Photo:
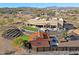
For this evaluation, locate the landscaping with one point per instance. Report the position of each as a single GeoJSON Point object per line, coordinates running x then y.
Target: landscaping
{"type": "Point", "coordinates": [19, 40]}
{"type": "Point", "coordinates": [30, 28]}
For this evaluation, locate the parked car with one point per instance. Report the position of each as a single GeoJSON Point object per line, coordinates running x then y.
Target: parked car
{"type": "Point", "coordinates": [54, 41]}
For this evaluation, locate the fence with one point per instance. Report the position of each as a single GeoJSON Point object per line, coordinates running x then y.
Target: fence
{"type": "Point", "coordinates": [42, 49]}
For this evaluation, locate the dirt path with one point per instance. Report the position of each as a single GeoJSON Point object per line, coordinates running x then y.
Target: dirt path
{"type": "Point", "coordinates": [5, 45]}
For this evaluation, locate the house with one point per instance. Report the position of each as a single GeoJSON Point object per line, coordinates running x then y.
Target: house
{"type": "Point", "coordinates": [73, 32]}
{"type": "Point", "coordinates": [76, 31]}
{"type": "Point", "coordinates": [45, 22]}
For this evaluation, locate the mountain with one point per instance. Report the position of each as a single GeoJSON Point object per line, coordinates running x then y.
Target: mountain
{"type": "Point", "coordinates": [62, 8]}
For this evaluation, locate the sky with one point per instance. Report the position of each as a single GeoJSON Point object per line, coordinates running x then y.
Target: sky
{"type": "Point", "coordinates": [38, 5]}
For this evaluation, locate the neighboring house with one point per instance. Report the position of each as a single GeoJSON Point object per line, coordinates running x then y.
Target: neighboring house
{"type": "Point", "coordinates": [76, 31]}
{"type": "Point", "coordinates": [60, 23]}
{"type": "Point", "coordinates": [73, 32]}
{"type": "Point", "coordinates": [45, 22]}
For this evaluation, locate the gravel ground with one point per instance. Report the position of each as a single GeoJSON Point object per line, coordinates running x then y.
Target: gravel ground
{"type": "Point", "coordinates": [5, 46]}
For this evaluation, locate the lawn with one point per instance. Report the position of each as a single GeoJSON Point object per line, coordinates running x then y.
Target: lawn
{"type": "Point", "coordinates": [30, 28]}
{"type": "Point", "coordinates": [24, 37]}
{"type": "Point", "coordinates": [19, 40]}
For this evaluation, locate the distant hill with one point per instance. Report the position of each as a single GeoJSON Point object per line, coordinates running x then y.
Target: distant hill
{"type": "Point", "coordinates": [62, 8]}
